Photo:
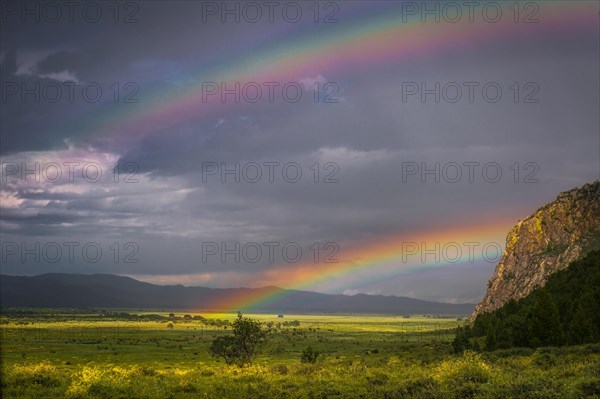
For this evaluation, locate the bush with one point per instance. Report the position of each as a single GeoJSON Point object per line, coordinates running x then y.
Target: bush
{"type": "Point", "coordinates": [468, 368]}
{"type": "Point", "coordinates": [42, 374]}
{"type": "Point", "coordinates": [512, 352]}
{"type": "Point", "coordinates": [104, 381]}
{"type": "Point", "coordinates": [309, 355]}
{"type": "Point", "coordinates": [590, 388]}
{"type": "Point", "coordinates": [462, 341]}
{"type": "Point", "coordinates": [590, 349]}
{"type": "Point", "coordinates": [544, 359]}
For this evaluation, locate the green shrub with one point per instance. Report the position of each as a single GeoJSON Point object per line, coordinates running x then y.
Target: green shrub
{"type": "Point", "coordinates": [42, 374]}
{"type": "Point", "coordinates": [463, 371]}
{"type": "Point", "coordinates": [504, 353]}
{"type": "Point", "coordinates": [309, 355]}
{"type": "Point", "coordinates": [590, 388]}
{"type": "Point", "coordinates": [544, 359]}
{"type": "Point", "coordinates": [104, 381]}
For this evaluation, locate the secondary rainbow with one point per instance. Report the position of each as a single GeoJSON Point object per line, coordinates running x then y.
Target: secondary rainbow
{"type": "Point", "coordinates": [375, 37]}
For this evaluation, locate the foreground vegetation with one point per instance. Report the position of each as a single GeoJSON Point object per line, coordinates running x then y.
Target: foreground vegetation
{"type": "Point", "coordinates": [106, 355]}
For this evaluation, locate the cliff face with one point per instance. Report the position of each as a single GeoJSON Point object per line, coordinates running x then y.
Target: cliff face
{"type": "Point", "coordinates": [543, 243]}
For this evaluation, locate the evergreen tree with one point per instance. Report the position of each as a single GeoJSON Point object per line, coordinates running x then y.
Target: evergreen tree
{"type": "Point", "coordinates": [490, 339]}
{"type": "Point", "coordinates": [580, 329]}
{"type": "Point", "coordinates": [536, 320]}
{"type": "Point", "coordinates": [461, 341]}
{"type": "Point", "coordinates": [546, 329]}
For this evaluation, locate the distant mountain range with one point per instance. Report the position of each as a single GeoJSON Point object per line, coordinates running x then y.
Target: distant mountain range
{"type": "Point", "coordinates": [118, 292]}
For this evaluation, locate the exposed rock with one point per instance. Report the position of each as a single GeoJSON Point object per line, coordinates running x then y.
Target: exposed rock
{"type": "Point", "coordinates": [543, 243]}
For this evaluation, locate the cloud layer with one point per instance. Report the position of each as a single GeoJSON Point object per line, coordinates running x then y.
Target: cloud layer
{"type": "Point", "coordinates": [371, 165]}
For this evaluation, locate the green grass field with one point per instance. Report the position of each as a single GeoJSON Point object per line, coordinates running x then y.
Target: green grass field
{"type": "Point", "coordinates": [54, 354]}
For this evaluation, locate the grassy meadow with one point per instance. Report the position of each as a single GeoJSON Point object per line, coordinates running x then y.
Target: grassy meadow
{"type": "Point", "coordinates": [57, 354]}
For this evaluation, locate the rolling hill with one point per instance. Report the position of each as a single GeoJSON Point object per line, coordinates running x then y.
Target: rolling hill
{"type": "Point", "coordinates": [110, 291]}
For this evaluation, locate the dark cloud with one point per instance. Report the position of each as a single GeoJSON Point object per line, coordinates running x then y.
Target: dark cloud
{"type": "Point", "coordinates": [369, 136]}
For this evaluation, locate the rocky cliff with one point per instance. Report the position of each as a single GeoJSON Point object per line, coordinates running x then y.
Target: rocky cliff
{"type": "Point", "coordinates": [543, 243]}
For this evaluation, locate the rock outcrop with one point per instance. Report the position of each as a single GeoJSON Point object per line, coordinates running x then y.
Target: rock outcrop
{"type": "Point", "coordinates": [543, 243]}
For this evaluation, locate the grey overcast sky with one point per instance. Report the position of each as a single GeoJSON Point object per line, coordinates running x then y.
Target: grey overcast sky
{"type": "Point", "coordinates": [305, 145]}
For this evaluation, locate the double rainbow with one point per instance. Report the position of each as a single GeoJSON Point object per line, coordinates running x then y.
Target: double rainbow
{"type": "Point", "coordinates": [373, 38]}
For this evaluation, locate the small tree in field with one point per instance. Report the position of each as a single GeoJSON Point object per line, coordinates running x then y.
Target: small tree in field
{"type": "Point", "coordinates": [240, 347]}
{"type": "Point", "coordinates": [309, 355]}
{"type": "Point", "coordinates": [225, 347]}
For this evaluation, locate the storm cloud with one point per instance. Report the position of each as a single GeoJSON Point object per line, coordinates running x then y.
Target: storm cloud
{"type": "Point", "coordinates": [349, 171]}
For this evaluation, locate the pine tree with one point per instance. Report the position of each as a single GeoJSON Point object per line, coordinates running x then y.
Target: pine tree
{"type": "Point", "coordinates": [546, 328]}
{"type": "Point", "coordinates": [534, 320]}
{"type": "Point", "coordinates": [580, 329]}
{"type": "Point", "coordinates": [461, 340]}
{"type": "Point", "coordinates": [490, 339]}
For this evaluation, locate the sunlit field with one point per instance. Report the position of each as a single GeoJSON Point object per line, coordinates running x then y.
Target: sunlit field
{"type": "Point", "coordinates": [93, 355]}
